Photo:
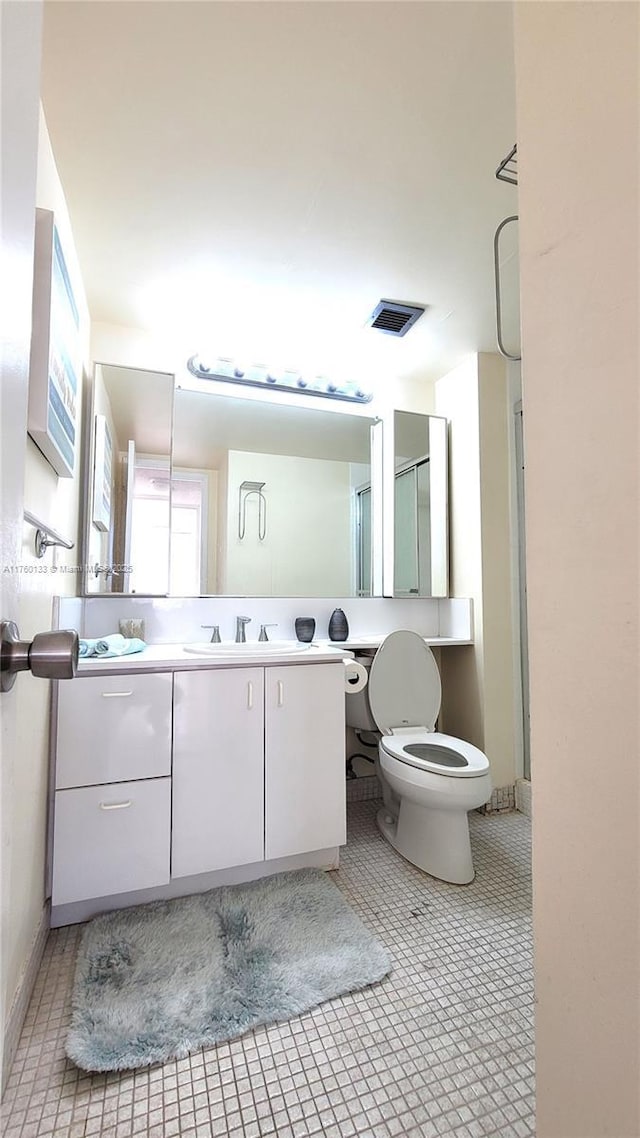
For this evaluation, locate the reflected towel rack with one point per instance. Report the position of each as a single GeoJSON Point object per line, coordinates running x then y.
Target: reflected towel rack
{"type": "Point", "coordinates": [507, 172]}
{"type": "Point", "coordinates": [508, 169]}
{"type": "Point", "coordinates": [246, 490]}
{"type": "Point", "coordinates": [45, 535]}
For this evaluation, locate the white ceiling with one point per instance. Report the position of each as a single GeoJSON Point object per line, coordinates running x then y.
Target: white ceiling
{"type": "Point", "coordinates": [141, 405]}
{"type": "Point", "coordinates": [255, 176]}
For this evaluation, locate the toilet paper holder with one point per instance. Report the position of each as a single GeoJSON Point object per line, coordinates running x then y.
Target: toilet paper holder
{"type": "Point", "coordinates": [355, 676]}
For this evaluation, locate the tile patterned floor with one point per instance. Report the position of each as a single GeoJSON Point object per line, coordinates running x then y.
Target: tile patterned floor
{"type": "Point", "coordinates": [442, 1047]}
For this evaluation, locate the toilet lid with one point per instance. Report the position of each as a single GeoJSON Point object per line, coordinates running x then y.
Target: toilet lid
{"type": "Point", "coordinates": [404, 683]}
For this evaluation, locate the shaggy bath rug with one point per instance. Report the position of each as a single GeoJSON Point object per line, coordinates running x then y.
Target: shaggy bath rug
{"type": "Point", "coordinates": [157, 981]}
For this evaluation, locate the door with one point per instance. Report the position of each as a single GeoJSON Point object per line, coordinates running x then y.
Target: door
{"type": "Point", "coordinates": [218, 770]}
{"type": "Point", "coordinates": [305, 785]}
{"type": "Point", "coordinates": [405, 522]}
{"type": "Point", "coordinates": [21, 35]}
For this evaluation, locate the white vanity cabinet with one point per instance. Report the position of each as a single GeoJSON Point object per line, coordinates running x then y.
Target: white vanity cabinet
{"type": "Point", "coordinates": [258, 765]}
{"type": "Point", "coordinates": [218, 770]}
{"type": "Point", "coordinates": [305, 786]}
{"type": "Point", "coordinates": [171, 781]}
{"type": "Point", "coordinates": [112, 806]}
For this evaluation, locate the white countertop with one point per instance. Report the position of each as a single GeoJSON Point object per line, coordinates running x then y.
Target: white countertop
{"type": "Point", "coordinates": [362, 643]}
{"type": "Point", "coordinates": [175, 657]}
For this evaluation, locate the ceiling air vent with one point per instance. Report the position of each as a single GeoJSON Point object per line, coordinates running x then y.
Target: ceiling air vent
{"type": "Point", "coordinates": [394, 319]}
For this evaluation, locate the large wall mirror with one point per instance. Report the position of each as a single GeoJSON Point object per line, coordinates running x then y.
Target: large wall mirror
{"type": "Point", "coordinates": [415, 507]}
{"type": "Point", "coordinates": [268, 499]}
{"type": "Point", "coordinates": [128, 433]}
{"type": "Point", "coordinates": [194, 493]}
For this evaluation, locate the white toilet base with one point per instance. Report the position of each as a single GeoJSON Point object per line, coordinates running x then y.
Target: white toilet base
{"type": "Point", "coordinates": [432, 826]}
{"type": "Point", "coordinates": [436, 841]}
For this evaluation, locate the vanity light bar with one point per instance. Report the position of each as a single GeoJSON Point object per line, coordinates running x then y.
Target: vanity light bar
{"type": "Point", "coordinates": [257, 375]}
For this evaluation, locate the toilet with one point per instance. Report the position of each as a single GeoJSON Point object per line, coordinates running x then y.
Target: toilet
{"type": "Point", "coordinates": [429, 781]}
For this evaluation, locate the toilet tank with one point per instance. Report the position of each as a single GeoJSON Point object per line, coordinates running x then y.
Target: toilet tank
{"type": "Point", "coordinates": [358, 712]}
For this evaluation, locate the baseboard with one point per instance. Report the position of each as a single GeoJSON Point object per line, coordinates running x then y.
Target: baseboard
{"type": "Point", "coordinates": [73, 912]}
{"type": "Point", "coordinates": [18, 1011]}
{"type": "Point", "coordinates": [524, 797]}
{"type": "Point", "coordinates": [503, 799]}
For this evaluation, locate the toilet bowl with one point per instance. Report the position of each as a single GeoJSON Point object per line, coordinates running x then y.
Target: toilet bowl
{"type": "Point", "coordinates": [429, 780]}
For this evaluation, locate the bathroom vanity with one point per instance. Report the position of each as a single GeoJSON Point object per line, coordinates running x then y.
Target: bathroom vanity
{"type": "Point", "coordinates": [175, 773]}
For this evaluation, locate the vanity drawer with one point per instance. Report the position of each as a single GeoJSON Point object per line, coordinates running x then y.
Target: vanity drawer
{"type": "Point", "coordinates": [113, 729]}
{"type": "Point", "coordinates": [111, 839]}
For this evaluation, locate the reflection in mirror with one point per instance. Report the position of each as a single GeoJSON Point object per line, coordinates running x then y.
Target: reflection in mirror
{"type": "Point", "coordinates": [268, 499]}
{"type": "Point", "coordinates": [129, 462]}
{"type": "Point", "coordinates": [420, 562]}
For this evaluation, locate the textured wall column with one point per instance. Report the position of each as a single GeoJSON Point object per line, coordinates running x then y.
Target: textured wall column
{"type": "Point", "coordinates": [577, 104]}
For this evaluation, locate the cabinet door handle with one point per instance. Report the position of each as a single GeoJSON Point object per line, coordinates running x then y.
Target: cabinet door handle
{"type": "Point", "coordinates": [249, 695]}
{"type": "Point", "coordinates": [115, 805]}
{"type": "Point", "coordinates": [115, 694]}
{"type": "Point", "coordinates": [280, 701]}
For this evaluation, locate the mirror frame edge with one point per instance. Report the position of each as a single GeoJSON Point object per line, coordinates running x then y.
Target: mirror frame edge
{"type": "Point", "coordinates": [86, 487]}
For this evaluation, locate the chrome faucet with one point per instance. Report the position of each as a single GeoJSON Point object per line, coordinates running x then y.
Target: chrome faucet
{"type": "Point", "coordinates": [215, 634]}
{"type": "Point", "coordinates": [240, 623]}
{"type": "Point", "coordinates": [263, 631]}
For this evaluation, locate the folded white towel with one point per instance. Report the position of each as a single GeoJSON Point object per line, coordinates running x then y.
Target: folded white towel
{"type": "Point", "coordinates": [114, 645]}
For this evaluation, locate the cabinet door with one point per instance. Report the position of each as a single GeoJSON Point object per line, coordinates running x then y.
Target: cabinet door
{"type": "Point", "coordinates": [111, 839]}
{"type": "Point", "coordinates": [113, 728]}
{"type": "Point", "coordinates": [305, 787]}
{"type": "Point", "coordinates": [218, 770]}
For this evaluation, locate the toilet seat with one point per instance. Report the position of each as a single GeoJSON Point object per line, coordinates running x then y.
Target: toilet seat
{"type": "Point", "coordinates": [473, 762]}
{"type": "Point", "coordinates": [404, 696]}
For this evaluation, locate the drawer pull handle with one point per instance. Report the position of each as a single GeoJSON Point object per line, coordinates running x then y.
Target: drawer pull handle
{"type": "Point", "coordinates": [280, 693]}
{"type": "Point", "coordinates": [115, 694]}
{"type": "Point", "coordinates": [249, 695]}
{"type": "Point", "coordinates": [115, 805]}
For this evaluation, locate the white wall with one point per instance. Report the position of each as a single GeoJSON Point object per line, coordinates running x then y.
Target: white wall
{"type": "Point", "coordinates": [478, 686]}
{"type": "Point", "coordinates": [20, 41]}
{"type": "Point", "coordinates": [135, 348]}
{"type": "Point", "coordinates": [308, 545]}
{"type": "Point", "coordinates": [579, 188]}
{"type": "Point", "coordinates": [178, 620]}
{"type": "Point", "coordinates": [55, 501]}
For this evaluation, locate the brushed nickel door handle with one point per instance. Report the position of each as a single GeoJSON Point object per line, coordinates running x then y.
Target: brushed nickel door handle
{"type": "Point", "coordinates": [50, 655]}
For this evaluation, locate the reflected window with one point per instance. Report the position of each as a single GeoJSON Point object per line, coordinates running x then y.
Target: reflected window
{"type": "Point", "coordinates": [189, 539]}
{"type": "Point", "coordinates": [148, 536]}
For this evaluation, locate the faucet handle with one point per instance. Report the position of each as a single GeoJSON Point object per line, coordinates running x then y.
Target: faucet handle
{"type": "Point", "coordinates": [215, 635]}
{"type": "Point", "coordinates": [263, 631]}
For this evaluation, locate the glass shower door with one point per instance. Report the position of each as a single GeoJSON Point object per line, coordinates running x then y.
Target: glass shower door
{"type": "Point", "coordinates": [406, 574]}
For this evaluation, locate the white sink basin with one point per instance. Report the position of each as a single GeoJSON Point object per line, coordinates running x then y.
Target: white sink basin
{"type": "Point", "coordinates": [251, 648]}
